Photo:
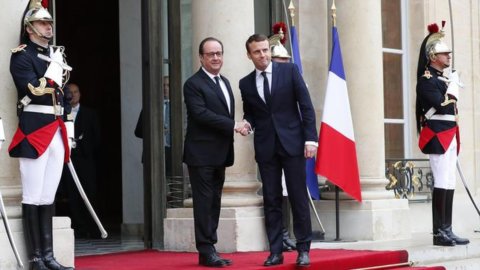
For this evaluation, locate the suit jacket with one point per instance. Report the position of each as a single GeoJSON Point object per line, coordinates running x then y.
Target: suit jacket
{"type": "Point", "coordinates": [87, 134]}
{"type": "Point", "coordinates": [209, 138]}
{"type": "Point", "coordinates": [291, 115]}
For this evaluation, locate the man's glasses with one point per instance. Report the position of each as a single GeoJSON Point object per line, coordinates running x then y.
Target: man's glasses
{"type": "Point", "coordinates": [212, 54]}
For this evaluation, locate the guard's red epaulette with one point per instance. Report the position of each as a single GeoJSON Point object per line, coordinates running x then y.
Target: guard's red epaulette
{"type": "Point", "coordinates": [19, 48]}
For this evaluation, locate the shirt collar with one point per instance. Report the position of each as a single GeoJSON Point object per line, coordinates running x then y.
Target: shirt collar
{"type": "Point", "coordinates": [211, 75]}
{"type": "Point", "coordinates": [268, 70]}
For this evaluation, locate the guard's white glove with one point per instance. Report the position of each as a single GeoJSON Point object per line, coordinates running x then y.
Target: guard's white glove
{"type": "Point", "coordinates": [2, 133]}
{"type": "Point", "coordinates": [55, 68]}
{"type": "Point", "coordinates": [454, 84]}
{"type": "Point", "coordinates": [70, 134]}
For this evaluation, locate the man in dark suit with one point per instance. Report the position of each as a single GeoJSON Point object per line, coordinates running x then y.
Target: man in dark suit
{"type": "Point", "coordinates": [85, 156]}
{"type": "Point", "coordinates": [277, 105]}
{"type": "Point", "coordinates": [208, 147]}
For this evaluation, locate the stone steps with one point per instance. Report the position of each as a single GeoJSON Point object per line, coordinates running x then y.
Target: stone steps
{"type": "Point", "coordinates": [421, 250]}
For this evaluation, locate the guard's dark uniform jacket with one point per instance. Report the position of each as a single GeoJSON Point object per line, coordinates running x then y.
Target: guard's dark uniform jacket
{"type": "Point", "coordinates": [439, 129]}
{"type": "Point", "coordinates": [36, 129]}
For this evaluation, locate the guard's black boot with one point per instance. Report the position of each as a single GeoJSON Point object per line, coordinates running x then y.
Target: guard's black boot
{"type": "Point", "coordinates": [288, 244]}
{"type": "Point", "coordinates": [31, 231]}
{"type": "Point", "coordinates": [448, 220]}
{"type": "Point", "coordinates": [440, 236]}
{"type": "Point", "coordinates": [46, 214]}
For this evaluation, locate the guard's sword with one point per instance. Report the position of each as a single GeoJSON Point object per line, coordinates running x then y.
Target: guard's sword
{"type": "Point", "coordinates": [3, 212]}
{"type": "Point", "coordinates": [459, 168]}
{"type": "Point", "coordinates": [9, 232]}
{"type": "Point", "coordinates": [85, 199]}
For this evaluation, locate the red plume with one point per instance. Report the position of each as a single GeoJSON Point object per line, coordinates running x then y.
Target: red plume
{"type": "Point", "coordinates": [45, 3]}
{"type": "Point", "coordinates": [443, 24]}
{"type": "Point", "coordinates": [276, 28]}
{"type": "Point", "coordinates": [433, 28]}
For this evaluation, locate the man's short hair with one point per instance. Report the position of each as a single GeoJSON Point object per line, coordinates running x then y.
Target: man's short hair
{"type": "Point", "coordinates": [255, 38]}
{"type": "Point", "coordinates": [200, 47]}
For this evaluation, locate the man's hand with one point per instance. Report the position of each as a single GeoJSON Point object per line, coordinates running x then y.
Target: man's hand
{"type": "Point", "coordinates": [243, 127]}
{"type": "Point", "coordinates": [310, 151]}
{"type": "Point", "coordinates": [454, 84]}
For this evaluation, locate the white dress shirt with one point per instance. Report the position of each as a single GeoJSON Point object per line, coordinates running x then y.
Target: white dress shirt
{"type": "Point", "coordinates": [259, 80]}
{"type": "Point", "coordinates": [222, 86]}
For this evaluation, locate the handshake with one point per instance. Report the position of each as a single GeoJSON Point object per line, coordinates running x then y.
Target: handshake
{"type": "Point", "coordinates": [243, 127]}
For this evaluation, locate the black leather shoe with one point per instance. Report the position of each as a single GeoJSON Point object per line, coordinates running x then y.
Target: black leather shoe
{"type": "Point", "coordinates": [274, 259]}
{"type": "Point", "coordinates": [288, 244]}
{"type": "Point", "coordinates": [211, 260]}
{"type": "Point", "coordinates": [226, 261]}
{"type": "Point", "coordinates": [285, 247]}
{"type": "Point", "coordinates": [303, 259]}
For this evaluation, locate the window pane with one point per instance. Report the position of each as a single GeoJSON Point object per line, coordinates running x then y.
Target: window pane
{"type": "Point", "coordinates": [394, 146]}
{"type": "Point", "coordinates": [392, 86]}
{"type": "Point", "coordinates": [391, 24]}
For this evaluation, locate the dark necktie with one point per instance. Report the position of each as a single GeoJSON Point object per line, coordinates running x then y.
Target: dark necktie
{"type": "Point", "coordinates": [217, 81]}
{"type": "Point", "coordinates": [266, 89]}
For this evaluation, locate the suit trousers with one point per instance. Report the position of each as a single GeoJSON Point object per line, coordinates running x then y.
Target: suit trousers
{"type": "Point", "coordinates": [207, 184]}
{"type": "Point", "coordinates": [271, 174]}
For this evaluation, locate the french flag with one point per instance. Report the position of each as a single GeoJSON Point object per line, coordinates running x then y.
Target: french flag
{"type": "Point", "coordinates": [337, 154]}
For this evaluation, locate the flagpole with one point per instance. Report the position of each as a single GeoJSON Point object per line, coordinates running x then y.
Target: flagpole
{"type": "Point", "coordinates": [291, 8]}
{"type": "Point", "coordinates": [337, 189]}
{"type": "Point", "coordinates": [334, 14]}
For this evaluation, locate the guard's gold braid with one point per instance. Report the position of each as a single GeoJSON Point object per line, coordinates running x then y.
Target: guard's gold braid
{"type": "Point", "coordinates": [41, 89]}
{"type": "Point", "coordinates": [447, 101]}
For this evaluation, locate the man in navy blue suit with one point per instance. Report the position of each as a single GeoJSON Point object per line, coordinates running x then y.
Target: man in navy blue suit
{"type": "Point", "coordinates": [277, 105]}
{"type": "Point", "coordinates": [208, 147]}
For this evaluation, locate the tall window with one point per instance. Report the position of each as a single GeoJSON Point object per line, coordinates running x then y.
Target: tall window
{"type": "Point", "coordinates": [395, 78]}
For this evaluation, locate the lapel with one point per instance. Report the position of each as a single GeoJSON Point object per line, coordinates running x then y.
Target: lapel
{"type": "Point", "coordinates": [230, 93]}
{"type": "Point", "coordinates": [78, 124]}
{"type": "Point", "coordinates": [216, 89]}
{"type": "Point", "coordinates": [275, 76]}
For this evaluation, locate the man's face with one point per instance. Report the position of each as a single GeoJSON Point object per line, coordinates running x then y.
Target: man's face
{"type": "Point", "coordinates": [44, 28]}
{"type": "Point", "coordinates": [212, 57]}
{"type": "Point", "coordinates": [75, 94]}
{"type": "Point", "coordinates": [259, 53]}
{"type": "Point", "coordinates": [442, 60]}
{"type": "Point", "coordinates": [166, 87]}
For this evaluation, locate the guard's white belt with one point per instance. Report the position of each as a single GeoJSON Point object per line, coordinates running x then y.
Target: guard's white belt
{"type": "Point", "coordinates": [41, 109]}
{"type": "Point", "coordinates": [444, 117]}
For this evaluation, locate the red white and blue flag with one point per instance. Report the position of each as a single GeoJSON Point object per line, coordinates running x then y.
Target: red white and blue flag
{"type": "Point", "coordinates": [337, 154]}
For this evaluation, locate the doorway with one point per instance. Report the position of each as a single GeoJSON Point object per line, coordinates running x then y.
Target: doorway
{"type": "Point", "coordinates": [90, 36]}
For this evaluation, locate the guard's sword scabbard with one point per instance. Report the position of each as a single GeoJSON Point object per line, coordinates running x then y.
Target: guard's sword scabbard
{"type": "Point", "coordinates": [9, 232]}
{"type": "Point", "coordinates": [85, 199]}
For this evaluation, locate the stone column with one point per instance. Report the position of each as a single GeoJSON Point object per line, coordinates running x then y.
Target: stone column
{"type": "Point", "coordinates": [241, 218]}
{"type": "Point", "coordinates": [379, 216]}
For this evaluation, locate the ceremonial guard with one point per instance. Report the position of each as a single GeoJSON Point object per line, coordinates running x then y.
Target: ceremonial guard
{"type": "Point", "coordinates": [436, 114]}
{"type": "Point", "coordinates": [41, 142]}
